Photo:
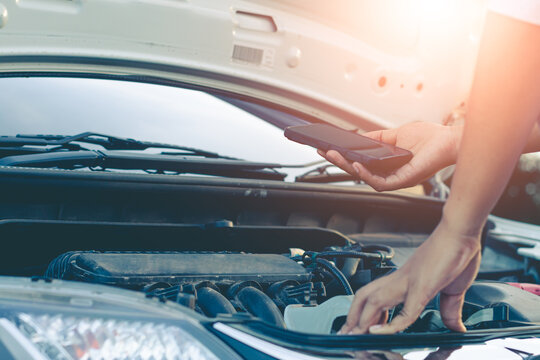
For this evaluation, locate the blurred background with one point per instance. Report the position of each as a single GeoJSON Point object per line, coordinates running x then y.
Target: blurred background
{"type": "Point", "coordinates": [521, 199]}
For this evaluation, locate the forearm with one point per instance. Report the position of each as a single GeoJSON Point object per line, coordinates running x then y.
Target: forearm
{"type": "Point", "coordinates": [503, 109]}
{"type": "Point", "coordinates": [533, 142]}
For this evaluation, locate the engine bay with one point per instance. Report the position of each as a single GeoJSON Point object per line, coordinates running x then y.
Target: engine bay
{"type": "Point", "coordinates": [291, 258]}
{"type": "Point", "coordinates": [307, 291]}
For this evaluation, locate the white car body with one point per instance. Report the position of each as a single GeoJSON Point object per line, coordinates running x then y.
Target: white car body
{"type": "Point", "coordinates": [356, 56]}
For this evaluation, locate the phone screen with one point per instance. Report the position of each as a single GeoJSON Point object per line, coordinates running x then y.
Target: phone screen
{"type": "Point", "coordinates": [334, 135]}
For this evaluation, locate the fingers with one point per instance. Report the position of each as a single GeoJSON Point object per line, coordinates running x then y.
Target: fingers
{"type": "Point", "coordinates": [453, 295]}
{"type": "Point", "coordinates": [384, 317]}
{"type": "Point", "coordinates": [375, 181]}
{"type": "Point", "coordinates": [374, 312]}
{"type": "Point", "coordinates": [337, 159]}
{"type": "Point", "coordinates": [450, 306]}
{"type": "Point", "coordinates": [356, 169]}
{"type": "Point", "coordinates": [370, 305]}
{"type": "Point", "coordinates": [414, 304]}
{"type": "Point", "coordinates": [378, 318]}
{"type": "Point", "coordinates": [354, 312]}
{"type": "Point", "coordinates": [368, 312]}
{"type": "Point", "coordinates": [403, 177]}
{"type": "Point", "coordinates": [379, 183]}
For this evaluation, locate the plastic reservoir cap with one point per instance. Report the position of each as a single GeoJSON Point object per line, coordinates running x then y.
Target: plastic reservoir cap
{"type": "Point", "coordinates": [317, 319]}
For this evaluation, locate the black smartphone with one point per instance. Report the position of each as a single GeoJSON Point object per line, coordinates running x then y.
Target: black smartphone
{"type": "Point", "coordinates": [377, 156]}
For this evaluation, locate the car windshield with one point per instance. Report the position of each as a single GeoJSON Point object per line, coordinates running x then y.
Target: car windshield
{"type": "Point", "coordinates": [147, 112]}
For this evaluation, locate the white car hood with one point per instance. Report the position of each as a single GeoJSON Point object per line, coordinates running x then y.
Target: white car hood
{"type": "Point", "coordinates": [366, 64]}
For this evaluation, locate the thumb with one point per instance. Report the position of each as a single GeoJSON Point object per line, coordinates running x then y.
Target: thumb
{"type": "Point", "coordinates": [386, 136]}
{"type": "Point", "coordinates": [451, 306]}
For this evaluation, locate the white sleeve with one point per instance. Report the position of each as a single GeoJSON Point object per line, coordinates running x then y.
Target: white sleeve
{"type": "Point", "coordinates": [524, 10]}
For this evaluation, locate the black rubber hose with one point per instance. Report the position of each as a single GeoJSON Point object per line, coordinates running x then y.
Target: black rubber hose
{"type": "Point", "coordinates": [338, 275]}
{"type": "Point", "coordinates": [379, 255]}
{"type": "Point", "coordinates": [212, 303]}
{"type": "Point", "coordinates": [380, 248]}
{"type": "Point", "coordinates": [260, 305]}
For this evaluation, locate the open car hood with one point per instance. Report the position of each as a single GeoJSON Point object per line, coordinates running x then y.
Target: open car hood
{"type": "Point", "coordinates": [340, 61]}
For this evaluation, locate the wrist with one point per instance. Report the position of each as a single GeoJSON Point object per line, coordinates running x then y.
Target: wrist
{"type": "Point", "coordinates": [460, 224]}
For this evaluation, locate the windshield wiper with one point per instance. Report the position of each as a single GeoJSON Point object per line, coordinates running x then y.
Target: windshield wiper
{"type": "Point", "coordinates": [13, 145]}
{"type": "Point", "coordinates": [122, 160]}
{"type": "Point", "coordinates": [321, 175]}
{"type": "Point", "coordinates": [66, 152]}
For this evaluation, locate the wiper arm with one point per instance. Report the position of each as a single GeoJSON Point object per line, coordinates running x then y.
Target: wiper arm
{"type": "Point", "coordinates": [147, 162]}
{"type": "Point", "coordinates": [321, 175]}
{"type": "Point", "coordinates": [108, 142]}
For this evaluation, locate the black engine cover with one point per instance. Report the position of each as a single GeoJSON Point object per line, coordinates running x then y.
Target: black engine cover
{"type": "Point", "coordinates": [140, 268]}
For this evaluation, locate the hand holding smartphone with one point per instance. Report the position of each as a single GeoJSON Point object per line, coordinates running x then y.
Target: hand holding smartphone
{"type": "Point", "coordinates": [377, 156]}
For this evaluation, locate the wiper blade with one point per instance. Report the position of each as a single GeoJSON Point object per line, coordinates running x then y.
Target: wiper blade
{"type": "Point", "coordinates": [96, 159]}
{"type": "Point", "coordinates": [108, 142]}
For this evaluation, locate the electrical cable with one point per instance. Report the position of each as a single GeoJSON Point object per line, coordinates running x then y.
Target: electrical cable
{"type": "Point", "coordinates": [336, 273]}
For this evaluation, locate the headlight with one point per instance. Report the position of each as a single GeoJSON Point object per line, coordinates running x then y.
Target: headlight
{"type": "Point", "coordinates": [61, 337]}
{"type": "Point", "coordinates": [73, 321]}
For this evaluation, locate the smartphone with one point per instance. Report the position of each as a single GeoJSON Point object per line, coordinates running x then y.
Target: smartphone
{"type": "Point", "coordinates": [377, 156]}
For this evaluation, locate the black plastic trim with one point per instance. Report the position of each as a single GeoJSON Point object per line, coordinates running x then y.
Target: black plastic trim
{"type": "Point", "coordinates": [20, 176]}
{"type": "Point", "coordinates": [335, 345]}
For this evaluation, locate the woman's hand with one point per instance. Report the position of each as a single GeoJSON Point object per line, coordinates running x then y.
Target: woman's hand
{"type": "Point", "coordinates": [433, 146]}
{"type": "Point", "coordinates": [447, 263]}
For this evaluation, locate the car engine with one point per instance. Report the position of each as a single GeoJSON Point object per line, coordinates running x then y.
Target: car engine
{"type": "Point", "coordinates": [229, 282]}
{"type": "Point", "coordinates": [313, 289]}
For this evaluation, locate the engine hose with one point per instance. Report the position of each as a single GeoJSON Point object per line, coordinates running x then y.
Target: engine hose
{"type": "Point", "coordinates": [379, 255]}
{"type": "Point", "coordinates": [260, 305]}
{"type": "Point", "coordinates": [336, 273]}
{"type": "Point", "coordinates": [380, 248]}
{"type": "Point", "coordinates": [212, 303]}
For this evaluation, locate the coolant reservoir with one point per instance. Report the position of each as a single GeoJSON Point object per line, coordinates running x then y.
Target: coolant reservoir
{"type": "Point", "coordinates": [317, 319]}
